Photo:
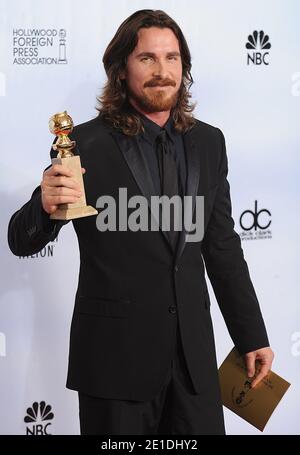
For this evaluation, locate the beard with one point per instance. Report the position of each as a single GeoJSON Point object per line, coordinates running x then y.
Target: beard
{"type": "Point", "coordinates": [154, 100]}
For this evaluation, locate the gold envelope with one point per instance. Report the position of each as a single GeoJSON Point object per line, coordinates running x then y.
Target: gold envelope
{"type": "Point", "coordinates": [256, 405]}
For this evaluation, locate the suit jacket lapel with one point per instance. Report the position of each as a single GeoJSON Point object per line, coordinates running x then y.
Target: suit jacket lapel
{"type": "Point", "coordinates": [139, 170]}
{"type": "Point", "coordinates": [142, 176]}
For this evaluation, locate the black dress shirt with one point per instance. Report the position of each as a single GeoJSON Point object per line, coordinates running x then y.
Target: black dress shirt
{"type": "Point", "coordinates": [147, 145]}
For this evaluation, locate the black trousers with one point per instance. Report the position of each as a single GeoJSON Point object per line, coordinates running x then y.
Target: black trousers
{"type": "Point", "coordinates": [176, 409]}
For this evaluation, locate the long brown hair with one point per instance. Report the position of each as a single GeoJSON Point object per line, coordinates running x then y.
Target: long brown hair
{"type": "Point", "coordinates": [114, 105]}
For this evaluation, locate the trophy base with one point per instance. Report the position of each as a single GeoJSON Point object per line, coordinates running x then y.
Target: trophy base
{"type": "Point", "coordinates": [73, 213]}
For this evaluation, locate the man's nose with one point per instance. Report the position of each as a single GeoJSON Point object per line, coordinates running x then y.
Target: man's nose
{"type": "Point", "coordinates": [160, 69]}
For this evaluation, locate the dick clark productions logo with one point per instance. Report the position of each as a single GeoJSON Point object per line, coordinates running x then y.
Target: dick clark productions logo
{"type": "Point", "coordinates": [255, 223]}
{"type": "Point", "coordinates": [37, 418]}
{"type": "Point", "coordinates": [258, 43]}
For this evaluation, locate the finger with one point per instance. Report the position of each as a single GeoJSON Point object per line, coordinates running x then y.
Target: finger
{"type": "Point", "coordinates": [52, 209]}
{"type": "Point", "coordinates": [57, 181]}
{"type": "Point", "coordinates": [250, 365]}
{"type": "Point", "coordinates": [62, 191]}
{"type": "Point", "coordinates": [56, 200]}
{"type": "Point", "coordinates": [59, 169]}
{"type": "Point", "coordinates": [263, 372]}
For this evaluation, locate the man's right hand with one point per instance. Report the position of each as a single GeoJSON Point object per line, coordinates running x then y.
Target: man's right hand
{"type": "Point", "coordinates": [58, 187]}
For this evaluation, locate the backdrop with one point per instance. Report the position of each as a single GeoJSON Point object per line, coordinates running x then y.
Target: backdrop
{"type": "Point", "coordinates": [246, 69]}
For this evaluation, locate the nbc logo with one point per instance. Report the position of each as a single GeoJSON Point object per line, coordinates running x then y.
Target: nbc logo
{"type": "Point", "coordinates": [39, 412]}
{"type": "Point", "coordinates": [258, 42]}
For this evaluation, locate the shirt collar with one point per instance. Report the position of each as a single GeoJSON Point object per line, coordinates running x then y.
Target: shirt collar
{"type": "Point", "coordinates": [152, 129]}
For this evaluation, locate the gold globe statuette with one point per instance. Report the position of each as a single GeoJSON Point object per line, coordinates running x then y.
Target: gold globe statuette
{"type": "Point", "coordinates": [61, 125]}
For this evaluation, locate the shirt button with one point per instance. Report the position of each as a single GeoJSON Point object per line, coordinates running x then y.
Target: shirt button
{"type": "Point", "coordinates": [176, 268]}
{"type": "Point", "coordinates": [172, 309]}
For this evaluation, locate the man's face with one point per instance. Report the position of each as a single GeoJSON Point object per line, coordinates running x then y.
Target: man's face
{"type": "Point", "coordinates": [154, 70]}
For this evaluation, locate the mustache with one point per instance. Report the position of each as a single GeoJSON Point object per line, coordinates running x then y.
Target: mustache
{"type": "Point", "coordinates": [159, 83]}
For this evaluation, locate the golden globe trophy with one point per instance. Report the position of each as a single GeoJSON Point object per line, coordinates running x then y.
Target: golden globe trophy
{"type": "Point", "coordinates": [61, 125]}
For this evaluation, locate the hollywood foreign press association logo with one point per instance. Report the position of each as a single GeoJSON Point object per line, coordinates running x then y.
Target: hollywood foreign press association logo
{"type": "Point", "coordinates": [259, 44]}
{"type": "Point", "coordinates": [37, 417]}
{"type": "Point", "coordinates": [39, 46]}
{"type": "Point", "coordinates": [255, 224]}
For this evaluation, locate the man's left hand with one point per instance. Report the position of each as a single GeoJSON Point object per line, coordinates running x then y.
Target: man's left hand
{"type": "Point", "coordinates": [265, 357]}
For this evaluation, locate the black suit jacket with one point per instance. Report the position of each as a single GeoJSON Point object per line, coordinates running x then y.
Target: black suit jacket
{"type": "Point", "coordinates": [132, 288]}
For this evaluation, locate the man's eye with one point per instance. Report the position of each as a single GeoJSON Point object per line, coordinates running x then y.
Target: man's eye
{"type": "Point", "coordinates": [146, 58]}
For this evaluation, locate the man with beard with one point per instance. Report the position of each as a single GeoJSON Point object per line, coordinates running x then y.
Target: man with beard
{"type": "Point", "coordinates": [142, 354]}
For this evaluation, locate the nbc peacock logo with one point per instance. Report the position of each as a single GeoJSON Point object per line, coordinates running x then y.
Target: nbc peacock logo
{"type": "Point", "coordinates": [259, 44]}
{"type": "Point", "coordinates": [37, 417]}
